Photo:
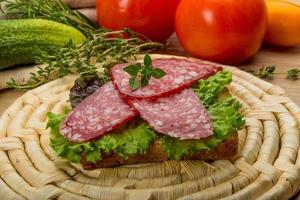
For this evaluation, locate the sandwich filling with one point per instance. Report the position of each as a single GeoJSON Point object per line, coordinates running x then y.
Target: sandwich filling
{"type": "Point", "coordinates": [135, 136]}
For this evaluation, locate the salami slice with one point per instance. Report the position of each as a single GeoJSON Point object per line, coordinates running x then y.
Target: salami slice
{"type": "Point", "coordinates": [180, 74]}
{"type": "Point", "coordinates": [180, 115]}
{"type": "Point", "coordinates": [98, 114]}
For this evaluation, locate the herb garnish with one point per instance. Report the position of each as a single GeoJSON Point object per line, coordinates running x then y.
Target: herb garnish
{"type": "Point", "coordinates": [270, 71]}
{"type": "Point", "coordinates": [293, 73]}
{"type": "Point", "coordinates": [142, 73]}
{"type": "Point", "coordinates": [266, 72]}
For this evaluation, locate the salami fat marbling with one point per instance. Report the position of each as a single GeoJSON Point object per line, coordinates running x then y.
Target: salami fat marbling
{"type": "Point", "coordinates": [98, 114]}
{"type": "Point", "coordinates": [181, 115]}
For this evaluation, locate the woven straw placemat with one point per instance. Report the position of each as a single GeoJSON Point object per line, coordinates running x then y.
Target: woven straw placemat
{"type": "Point", "coordinates": [267, 166]}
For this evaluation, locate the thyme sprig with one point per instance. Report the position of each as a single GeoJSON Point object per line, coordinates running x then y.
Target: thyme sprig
{"type": "Point", "coordinates": [93, 57]}
{"type": "Point", "coordinates": [293, 73]}
{"type": "Point", "coordinates": [270, 71]}
{"type": "Point", "coordinates": [55, 10]}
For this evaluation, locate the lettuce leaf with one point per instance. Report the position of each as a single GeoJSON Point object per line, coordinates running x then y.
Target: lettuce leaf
{"type": "Point", "coordinates": [176, 149]}
{"type": "Point", "coordinates": [226, 117]}
{"type": "Point", "coordinates": [208, 90]}
{"type": "Point", "coordinates": [224, 112]}
{"type": "Point", "coordinates": [127, 141]}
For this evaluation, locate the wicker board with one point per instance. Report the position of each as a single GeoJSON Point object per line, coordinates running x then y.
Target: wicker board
{"type": "Point", "coordinates": [267, 167]}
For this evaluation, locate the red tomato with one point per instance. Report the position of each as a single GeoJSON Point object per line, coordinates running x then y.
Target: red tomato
{"type": "Point", "coordinates": [153, 18]}
{"type": "Point", "coordinates": [225, 31]}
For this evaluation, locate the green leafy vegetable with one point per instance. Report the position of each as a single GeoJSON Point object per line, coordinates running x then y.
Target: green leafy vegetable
{"type": "Point", "coordinates": [226, 117]}
{"type": "Point", "coordinates": [224, 112]}
{"type": "Point", "coordinates": [133, 70]}
{"type": "Point", "coordinates": [134, 84]}
{"type": "Point", "coordinates": [129, 140]}
{"type": "Point", "coordinates": [158, 73]}
{"type": "Point", "coordinates": [209, 89]}
{"type": "Point", "coordinates": [176, 149]}
{"type": "Point", "coordinates": [141, 74]}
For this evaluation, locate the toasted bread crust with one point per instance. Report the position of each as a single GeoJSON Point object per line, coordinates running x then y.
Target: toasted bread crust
{"type": "Point", "coordinates": [225, 150]}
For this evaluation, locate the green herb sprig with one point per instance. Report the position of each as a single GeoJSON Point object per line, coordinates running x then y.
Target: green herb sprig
{"type": "Point", "coordinates": [142, 73]}
{"type": "Point", "coordinates": [293, 73]}
{"type": "Point", "coordinates": [270, 71]}
{"type": "Point", "coordinates": [93, 57]}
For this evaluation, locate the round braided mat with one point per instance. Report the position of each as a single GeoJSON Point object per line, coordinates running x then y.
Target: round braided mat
{"type": "Point", "coordinates": [267, 166]}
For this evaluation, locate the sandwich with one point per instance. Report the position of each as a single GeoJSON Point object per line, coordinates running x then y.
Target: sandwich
{"type": "Point", "coordinates": [158, 110]}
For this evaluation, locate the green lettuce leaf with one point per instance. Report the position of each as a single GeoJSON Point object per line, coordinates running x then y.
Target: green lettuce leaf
{"type": "Point", "coordinates": [226, 117]}
{"type": "Point", "coordinates": [176, 149]}
{"type": "Point", "coordinates": [224, 112]}
{"type": "Point", "coordinates": [127, 141]}
{"type": "Point", "coordinates": [209, 89]}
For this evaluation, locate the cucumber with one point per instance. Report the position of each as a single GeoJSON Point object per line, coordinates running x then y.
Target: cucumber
{"type": "Point", "coordinates": [21, 38]}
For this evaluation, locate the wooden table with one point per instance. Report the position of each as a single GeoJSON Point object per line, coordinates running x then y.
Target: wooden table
{"type": "Point", "coordinates": [284, 59]}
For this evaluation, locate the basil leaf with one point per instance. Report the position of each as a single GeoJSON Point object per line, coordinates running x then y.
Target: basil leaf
{"type": "Point", "coordinates": [144, 81]}
{"type": "Point", "coordinates": [133, 70]}
{"type": "Point", "coordinates": [134, 84]}
{"type": "Point", "coordinates": [158, 73]}
{"type": "Point", "coordinates": [147, 60]}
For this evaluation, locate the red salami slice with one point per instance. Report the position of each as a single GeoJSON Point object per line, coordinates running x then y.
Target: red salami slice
{"type": "Point", "coordinates": [180, 115]}
{"type": "Point", "coordinates": [97, 114]}
{"type": "Point", "coordinates": [180, 74]}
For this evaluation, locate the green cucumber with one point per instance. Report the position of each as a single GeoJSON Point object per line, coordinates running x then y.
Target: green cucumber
{"type": "Point", "coordinates": [20, 39]}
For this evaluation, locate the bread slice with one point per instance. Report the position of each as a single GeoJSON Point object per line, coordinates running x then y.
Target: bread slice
{"type": "Point", "coordinates": [225, 150]}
